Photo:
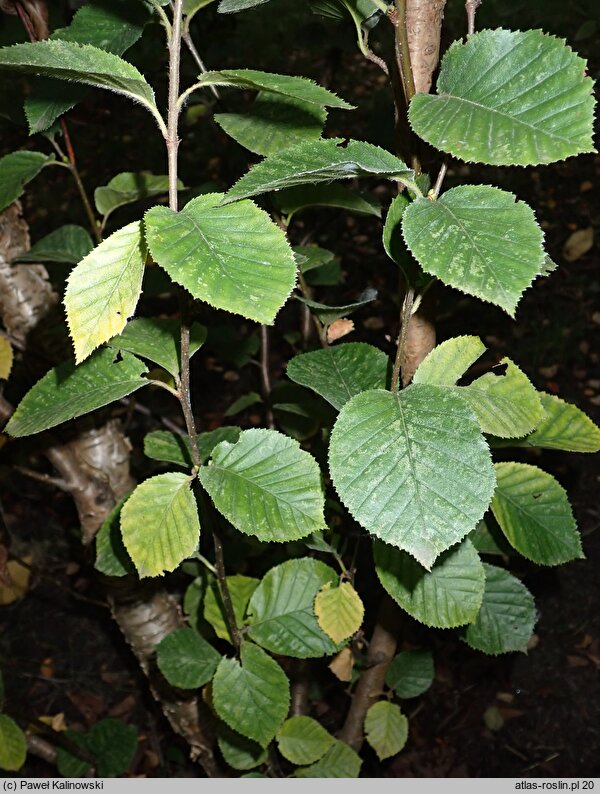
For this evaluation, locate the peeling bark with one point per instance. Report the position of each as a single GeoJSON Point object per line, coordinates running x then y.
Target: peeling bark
{"type": "Point", "coordinates": [423, 28]}
{"type": "Point", "coordinates": [94, 466]}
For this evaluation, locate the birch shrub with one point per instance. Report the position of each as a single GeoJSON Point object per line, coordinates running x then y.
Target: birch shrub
{"type": "Point", "coordinates": [410, 470]}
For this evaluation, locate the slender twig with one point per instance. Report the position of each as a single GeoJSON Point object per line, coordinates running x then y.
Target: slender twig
{"type": "Point", "coordinates": [403, 52]}
{"type": "Point", "coordinates": [405, 316]}
{"type": "Point", "coordinates": [55, 482]}
{"type": "Point", "coordinates": [307, 293]}
{"type": "Point", "coordinates": [173, 110]}
{"type": "Point", "coordinates": [439, 181]}
{"type": "Point", "coordinates": [265, 376]}
{"type": "Point", "coordinates": [471, 7]}
{"type": "Point", "coordinates": [189, 43]}
{"type": "Point", "coordinates": [225, 594]}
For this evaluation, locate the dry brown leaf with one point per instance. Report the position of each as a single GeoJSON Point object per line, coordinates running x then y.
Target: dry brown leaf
{"type": "Point", "coordinates": [341, 665]}
{"type": "Point", "coordinates": [338, 329]}
{"type": "Point", "coordinates": [15, 581]}
{"type": "Point", "coordinates": [578, 244]}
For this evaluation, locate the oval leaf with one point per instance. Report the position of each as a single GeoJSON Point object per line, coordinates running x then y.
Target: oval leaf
{"type": "Point", "coordinates": [67, 244]}
{"type": "Point", "coordinates": [280, 84]}
{"type": "Point", "coordinates": [234, 258]}
{"type": "Point", "coordinates": [412, 468]}
{"type": "Point", "coordinates": [478, 239]}
{"type": "Point", "coordinates": [159, 340]}
{"type": "Point", "coordinates": [339, 611]}
{"type": "Point", "coordinates": [68, 391]}
{"type": "Point", "coordinates": [508, 98]}
{"type": "Point", "coordinates": [253, 696]}
{"type": "Point", "coordinates": [534, 513]}
{"type": "Point", "coordinates": [16, 170]}
{"type": "Point", "coordinates": [449, 361]}
{"type": "Point", "coordinates": [303, 740]}
{"type": "Point", "coordinates": [448, 596]}
{"type": "Point", "coordinates": [386, 729]}
{"type": "Point", "coordinates": [507, 616]}
{"type": "Point", "coordinates": [281, 614]}
{"type": "Point", "coordinates": [266, 486]}
{"type": "Point", "coordinates": [185, 659]}
{"type": "Point", "coordinates": [13, 747]}
{"type": "Point", "coordinates": [104, 288]}
{"type": "Point", "coordinates": [339, 373]}
{"type": "Point", "coordinates": [410, 673]}
{"type": "Point", "coordinates": [319, 161]}
{"type": "Point", "coordinates": [339, 761]}
{"type": "Point", "coordinates": [239, 752]}
{"type": "Point", "coordinates": [160, 524]}
{"type": "Point", "coordinates": [564, 427]}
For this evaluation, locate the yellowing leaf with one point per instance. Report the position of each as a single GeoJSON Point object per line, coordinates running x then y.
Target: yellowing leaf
{"type": "Point", "coordinates": [6, 357]}
{"type": "Point", "coordinates": [386, 729]}
{"type": "Point", "coordinates": [341, 665]}
{"type": "Point", "coordinates": [103, 290]}
{"type": "Point", "coordinates": [14, 581]}
{"type": "Point", "coordinates": [339, 611]}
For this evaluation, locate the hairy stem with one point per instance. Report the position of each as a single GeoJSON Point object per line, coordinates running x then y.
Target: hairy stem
{"type": "Point", "coordinates": [471, 7]}
{"type": "Point", "coordinates": [265, 376]}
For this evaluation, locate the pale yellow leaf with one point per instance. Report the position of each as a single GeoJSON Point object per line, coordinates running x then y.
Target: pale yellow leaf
{"type": "Point", "coordinates": [339, 610]}
{"type": "Point", "coordinates": [14, 581]}
{"type": "Point", "coordinates": [341, 665]}
{"type": "Point", "coordinates": [104, 288]}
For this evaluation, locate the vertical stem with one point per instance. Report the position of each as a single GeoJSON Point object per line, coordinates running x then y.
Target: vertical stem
{"type": "Point", "coordinates": [440, 180]}
{"type": "Point", "coordinates": [403, 52]}
{"type": "Point", "coordinates": [265, 375]}
{"type": "Point", "coordinates": [405, 316]}
{"type": "Point", "coordinates": [471, 7]}
{"type": "Point", "coordinates": [225, 594]}
{"type": "Point", "coordinates": [173, 110]}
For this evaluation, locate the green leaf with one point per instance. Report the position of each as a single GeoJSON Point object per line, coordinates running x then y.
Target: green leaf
{"type": "Point", "coordinates": [274, 123]}
{"type": "Point", "coordinates": [564, 427]}
{"type": "Point", "coordinates": [339, 373]}
{"type": "Point", "coordinates": [67, 244]}
{"type": "Point", "coordinates": [303, 740]}
{"type": "Point", "coordinates": [168, 447]}
{"type": "Point", "coordinates": [2, 690]}
{"type": "Point", "coordinates": [13, 747]}
{"type": "Point", "coordinates": [186, 660]}
{"type": "Point", "coordinates": [241, 589]}
{"type": "Point", "coordinates": [252, 697]}
{"type": "Point", "coordinates": [412, 468]}
{"type": "Point", "coordinates": [339, 761]}
{"type": "Point", "coordinates": [110, 742]}
{"type": "Point", "coordinates": [508, 98]}
{"type": "Point", "coordinates": [233, 6]}
{"type": "Point", "coordinates": [534, 513]}
{"type": "Point", "coordinates": [104, 288]}
{"type": "Point", "coordinates": [332, 195]}
{"type": "Point", "coordinates": [242, 403]}
{"type": "Point", "coordinates": [506, 405]}
{"type": "Point", "coordinates": [478, 239]}
{"type": "Point", "coordinates": [507, 616]}
{"type": "Point", "coordinates": [339, 611]}
{"type": "Point", "coordinates": [111, 555]}
{"type": "Point", "coordinates": [129, 187]}
{"type": "Point", "coordinates": [80, 64]}
{"type": "Point", "coordinates": [68, 391]}
{"type": "Point", "coordinates": [238, 751]}
{"type": "Point", "coordinates": [191, 7]}
{"type": "Point", "coordinates": [281, 614]}
{"type": "Point", "coordinates": [386, 729]}
{"type": "Point", "coordinates": [280, 84]}
{"type": "Point", "coordinates": [311, 257]}
{"type": "Point", "coordinates": [208, 441]}
{"type": "Point", "coordinates": [16, 170]}
{"type": "Point", "coordinates": [449, 595]}
{"type": "Point", "coordinates": [329, 314]}
{"type": "Point", "coordinates": [159, 340]}
{"type": "Point", "coordinates": [266, 486]}
{"type": "Point", "coordinates": [449, 361]}
{"type": "Point", "coordinates": [410, 674]}
{"type": "Point", "coordinates": [160, 524]}
{"type": "Point", "coordinates": [488, 539]}
{"type": "Point", "coordinates": [109, 24]}
{"type": "Point", "coordinates": [393, 242]}
{"type": "Point", "coordinates": [234, 258]}
{"type": "Point", "coordinates": [319, 161]}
